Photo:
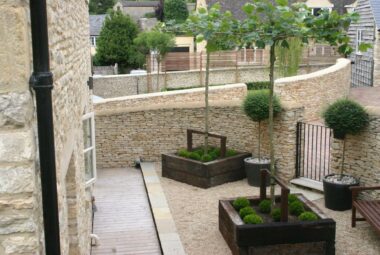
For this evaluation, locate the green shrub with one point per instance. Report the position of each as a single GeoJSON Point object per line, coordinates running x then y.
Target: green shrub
{"type": "Point", "coordinates": [240, 203]}
{"type": "Point", "coordinates": [195, 156]}
{"type": "Point", "coordinates": [296, 208]}
{"type": "Point", "coordinates": [256, 105]}
{"type": "Point", "coordinates": [253, 219]}
{"type": "Point", "coordinates": [150, 15]}
{"type": "Point", "coordinates": [184, 153]}
{"type": "Point", "coordinates": [308, 216]}
{"type": "Point", "coordinates": [258, 85]}
{"type": "Point", "coordinates": [206, 158]}
{"type": "Point", "coordinates": [230, 153]}
{"type": "Point", "coordinates": [246, 211]}
{"type": "Point", "coordinates": [265, 206]}
{"type": "Point", "coordinates": [175, 10]}
{"type": "Point", "coordinates": [276, 214]}
{"type": "Point", "coordinates": [346, 117]}
{"type": "Point", "coordinates": [292, 198]}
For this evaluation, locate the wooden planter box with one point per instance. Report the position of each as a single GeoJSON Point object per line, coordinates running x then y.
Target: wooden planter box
{"type": "Point", "coordinates": [280, 238]}
{"type": "Point", "coordinates": [204, 175]}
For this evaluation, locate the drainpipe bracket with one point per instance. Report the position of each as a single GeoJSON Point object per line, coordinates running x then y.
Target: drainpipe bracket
{"type": "Point", "coordinates": [41, 80]}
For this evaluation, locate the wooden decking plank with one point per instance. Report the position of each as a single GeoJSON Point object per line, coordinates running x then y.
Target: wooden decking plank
{"type": "Point", "coordinates": [123, 220]}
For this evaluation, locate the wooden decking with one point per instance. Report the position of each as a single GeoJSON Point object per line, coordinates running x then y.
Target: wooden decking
{"type": "Point", "coordinates": [123, 220]}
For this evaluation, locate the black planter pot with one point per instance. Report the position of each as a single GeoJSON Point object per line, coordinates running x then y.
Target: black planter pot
{"type": "Point", "coordinates": [252, 171]}
{"type": "Point", "coordinates": [338, 197]}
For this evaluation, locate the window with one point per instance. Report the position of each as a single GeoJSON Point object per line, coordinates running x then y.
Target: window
{"type": "Point", "coordinates": [93, 40]}
{"type": "Point", "coordinates": [316, 10]}
{"type": "Point", "coordinates": [89, 148]}
{"type": "Point", "coordinates": [359, 39]}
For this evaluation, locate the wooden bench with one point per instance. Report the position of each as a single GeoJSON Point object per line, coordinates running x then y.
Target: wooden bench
{"type": "Point", "coordinates": [369, 209]}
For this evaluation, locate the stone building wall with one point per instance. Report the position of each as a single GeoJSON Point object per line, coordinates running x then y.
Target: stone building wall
{"type": "Point", "coordinates": [316, 90]}
{"type": "Point", "coordinates": [127, 85]}
{"type": "Point", "coordinates": [21, 229]}
{"type": "Point", "coordinates": [126, 133]}
{"type": "Point", "coordinates": [362, 153]}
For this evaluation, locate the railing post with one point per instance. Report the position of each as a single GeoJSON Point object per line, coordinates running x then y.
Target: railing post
{"type": "Point", "coordinates": [298, 152]}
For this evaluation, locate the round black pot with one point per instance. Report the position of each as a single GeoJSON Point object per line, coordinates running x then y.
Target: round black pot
{"type": "Point", "coordinates": [253, 172]}
{"type": "Point", "coordinates": [338, 197]}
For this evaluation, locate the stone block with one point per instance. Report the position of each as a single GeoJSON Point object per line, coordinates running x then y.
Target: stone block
{"type": "Point", "coordinates": [20, 245]}
{"type": "Point", "coordinates": [16, 180]}
{"type": "Point", "coordinates": [16, 109]}
{"type": "Point", "coordinates": [17, 146]}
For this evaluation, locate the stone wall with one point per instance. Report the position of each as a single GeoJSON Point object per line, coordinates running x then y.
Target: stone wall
{"type": "Point", "coordinates": [126, 85]}
{"type": "Point", "coordinates": [124, 134]}
{"type": "Point", "coordinates": [21, 229]}
{"type": "Point", "coordinates": [362, 153]}
{"type": "Point", "coordinates": [316, 90]}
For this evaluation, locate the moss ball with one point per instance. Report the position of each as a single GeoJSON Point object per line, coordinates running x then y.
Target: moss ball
{"type": "Point", "coordinates": [296, 208]}
{"type": "Point", "coordinates": [308, 216]}
{"type": "Point", "coordinates": [265, 206]}
{"type": "Point", "coordinates": [292, 198]}
{"type": "Point", "coordinates": [246, 211]}
{"type": "Point", "coordinates": [240, 203]}
{"type": "Point", "coordinates": [253, 219]}
{"type": "Point", "coordinates": [276, 214]}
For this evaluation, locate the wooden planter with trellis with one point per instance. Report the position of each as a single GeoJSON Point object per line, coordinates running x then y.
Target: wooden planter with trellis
{"type": "Point", "coordinates": [204, 174]}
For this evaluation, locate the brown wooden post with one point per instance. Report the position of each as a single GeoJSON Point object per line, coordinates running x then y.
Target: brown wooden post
{"type": "Point", "coordinates": [284, 204]}
{"type": "Point", "coordinates": [223, 145]}
{"type": "Point", "coordinates": [189, 140]}
{"type": "Point", "coordinates": [263, 188]}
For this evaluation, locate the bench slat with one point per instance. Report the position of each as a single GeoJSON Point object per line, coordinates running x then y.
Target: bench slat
{"type": "Point", "coordinates": [369, 210]}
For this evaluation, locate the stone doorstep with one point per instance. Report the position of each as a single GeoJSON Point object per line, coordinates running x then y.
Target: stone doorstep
{"type": "Point", "coordinates": [167, 232]}
{"type": "Point", "coordinates": [308, 183]}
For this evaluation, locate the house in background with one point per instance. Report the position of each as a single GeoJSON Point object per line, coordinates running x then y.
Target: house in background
{"type": "Point", "coordinates": [136, 10]}
{"type": "Point", "coordinates": [96, 25]}
{"type": "Point", "coordinates": [366, 67]}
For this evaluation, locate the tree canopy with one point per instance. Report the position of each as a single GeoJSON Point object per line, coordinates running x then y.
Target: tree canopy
{"type": "Point", "coordinates": [100, 6]}
{"type": "Point", "coordinates": [175, 10]}
{"type": "Point", "coordinates": [115, 43]}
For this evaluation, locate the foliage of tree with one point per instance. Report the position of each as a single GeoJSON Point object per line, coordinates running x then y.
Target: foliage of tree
{"type": "Point", "coordinates": [272, 25]}
{"type": "Point", "coordinates": [100, 6]}
{"type": "Point", "coordinates": [213, 27]}
{"type": "Point", "coordinates": [115, 42]}
{"type": "Point", "coordinates": [159, 43]}
{"type": "Point", "coordinates": [289, 59]}
{"type": "Point", "coordinates": [175, 10]}
{"type": "Point", "coordinates": [256, 107]}
{"type": "Point", "coordinates": [345, 117]}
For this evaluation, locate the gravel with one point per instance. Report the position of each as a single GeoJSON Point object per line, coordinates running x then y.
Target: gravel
{"type": "Point", "coordinates": [195, 212]}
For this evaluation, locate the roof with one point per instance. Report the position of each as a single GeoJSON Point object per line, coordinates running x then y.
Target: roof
{"type": "Point", "coordinates": [96, 24]}
{"type": "Point", "coordinates": [376, 11]}
{"type": "Point", "coordinates": [140, 4]}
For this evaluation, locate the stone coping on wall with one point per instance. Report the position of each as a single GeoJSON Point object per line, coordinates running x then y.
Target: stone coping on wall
{"type": "Point", "coordinates": [193, 98]}
{"type": "Point", "coordinates": [373, 110]}
{"type": "Point", "coordinates": [340, 64]}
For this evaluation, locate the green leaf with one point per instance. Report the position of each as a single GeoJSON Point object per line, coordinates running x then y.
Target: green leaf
{"type": "Point", "coordinates": [363, 47]}
{"type": "Point", "coordinates": [282, 2]}
{"type": "Point", "coordinates": [248, 8]}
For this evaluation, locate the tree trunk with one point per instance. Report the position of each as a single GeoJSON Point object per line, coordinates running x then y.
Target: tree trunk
{"type": "Point", "coordinates": [271, 124]}
{"type": "Point", "coordinates": [206, 102]}
{"type": "Point", "coordinates": [259, 145]}
{"type": "Point", "coordinates": [343, 154]}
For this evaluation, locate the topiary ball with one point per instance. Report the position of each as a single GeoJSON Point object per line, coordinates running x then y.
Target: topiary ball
{"type": "Point", "coordinates": [240, 203]}
{"type": "Point", "coordinates": [308, 216]}
{"type": "Point", "coordinates": [246, 211]}
{"type": "Point", "coordinates": [346, 117]}
{"type": "Point", "coordinates": [296, 208]}
{"type": "Point", "coordinates": [253, 219]}
{"type": "Point", "coordinates": [292, 198]}
{"type": "Point", "coordinates": [276, 214]}
{"type": "Point", "coordinates": [256, 105]}
{"type": "Point", "coordinates": [265, 206]}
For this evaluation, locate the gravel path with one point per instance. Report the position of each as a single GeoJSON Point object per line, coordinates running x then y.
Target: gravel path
{"type": "Point", "coordinates": [195, 212]}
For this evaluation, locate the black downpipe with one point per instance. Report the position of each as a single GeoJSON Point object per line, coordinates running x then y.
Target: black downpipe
{"type": "Point", "coordinates": [42, 82]}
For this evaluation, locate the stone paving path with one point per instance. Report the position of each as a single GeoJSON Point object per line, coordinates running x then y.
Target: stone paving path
{"type": "Point", "coordinates": [367, 96]}
{"type": "Point", "coordinates": [123, 220]}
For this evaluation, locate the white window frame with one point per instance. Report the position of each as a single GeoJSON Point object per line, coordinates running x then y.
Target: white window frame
{"type": "Point", "coordinates": [359, 39]}
{"type": "Point", "coordinates": [320, 9]}
{"type": "Point", "coordinates": [91, 116]}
